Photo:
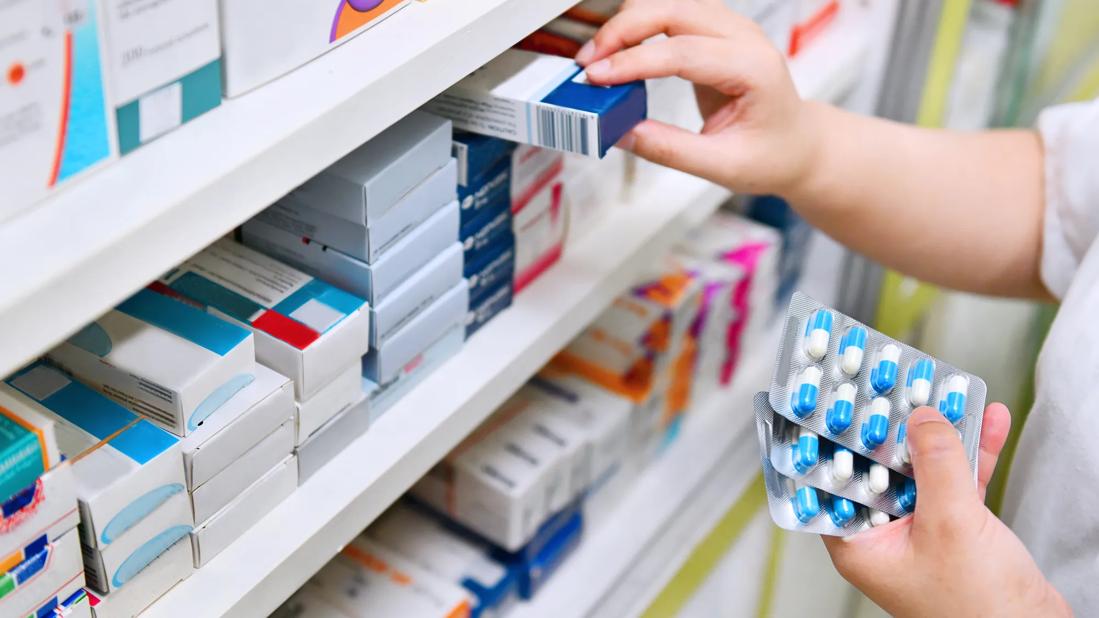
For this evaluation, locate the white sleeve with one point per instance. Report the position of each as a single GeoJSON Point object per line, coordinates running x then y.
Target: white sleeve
{"type": "Point", "coordinates": [1070, 134]}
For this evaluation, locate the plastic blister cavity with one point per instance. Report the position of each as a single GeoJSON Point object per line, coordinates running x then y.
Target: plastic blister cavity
{"type": "Point", "coordinates": [884, 377]}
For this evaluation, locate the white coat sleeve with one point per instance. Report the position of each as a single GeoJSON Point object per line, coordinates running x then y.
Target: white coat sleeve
{"type": "Point", "coordinates": [1070, 135]}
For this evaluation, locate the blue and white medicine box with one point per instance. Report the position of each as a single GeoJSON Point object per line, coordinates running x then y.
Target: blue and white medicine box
{"type": "Point", "coordinates": [305, 328]}
{"type": "Point", "coordinates": [48, 569]}
{"type": "Point", "coordinates": [491, 228]}
{"type": "Point", "coordinates": [487, 308]}
{"type": "Point", "coordinates": [477, 155]}
{"type": "Point", "coordinates": [542, 100]}
{"type": "Point", "coordinates": [168, 361]}
{"type": "Point", "coordinates": [492, 267]}
{"type": "Point", "coordinates": [131, 488]}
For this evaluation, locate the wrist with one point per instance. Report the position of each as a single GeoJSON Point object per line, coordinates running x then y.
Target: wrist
{"type": "Point", "coordinates": [810, 133]}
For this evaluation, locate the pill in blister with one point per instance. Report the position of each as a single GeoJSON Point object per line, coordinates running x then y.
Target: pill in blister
{"type": "Point", "coordinates": [842, 511]}
{"type": "Point", "coordinates": [918, 382]}
{"type": "Point", "coordinates": [952, 404]}
{"type": "Point", "coordinates": [876, 427]}
{"type": "Point", "coordinates": [838, 416]}
{"type": "Point", "coordinates": [843, 464]}
{"type": "Point", "coordinates": [883, 376]}
{"type": "Point", "coordinates": [902, 443]}
{"type": "Point", "coordinates": [805, 451]}
{"type": "Point", "coordinates": [878, 478]}
{"type": "Point", "coordinates": [804, 398]}
{"type": "Point", "coordinates": [878, 518]}
{"type": "Point", "coordinates": [818, 330]}
{"type": "Point", "coordinates": [806, 504]}
{"type": "Point", "coordinates": [906, 495]}
{"type": "Point", "coordinates": [852, 345]}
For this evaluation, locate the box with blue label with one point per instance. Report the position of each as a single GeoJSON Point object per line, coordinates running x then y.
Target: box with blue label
{"type": "Point", "coordinates": [168, 569]}
{"type": "Point", "coordinates": [366, 240]}
{"type": "Point", "coordinates": [42, 571]}
{"type": "Point", "coordinates": [383, 364]}
{"type": "Point", "coordinates": [163, 62]}
{"type": "Point", "coordinates": [484, 174]}
{"type": "Point", "coordinates": [535, 565]}
{"type": "Point", "coordinates": [374, 282]}
{"type": "Point", "coordinates": [130, 484]}
{"type": "Point", "coordinates": [305, 328]}
{"type": "Point", "coordinates": [171, 362]}
{"type": "Point", "coordinates": [491, 228]}
{"type": "Point", "coordinates": [46, 507]}
{"type": "Point", "coordinates": [492, 267]}
{"type": "Point", "coordinates": [488, 307]}
{"type": "Point", "coordinates": [542, 100]}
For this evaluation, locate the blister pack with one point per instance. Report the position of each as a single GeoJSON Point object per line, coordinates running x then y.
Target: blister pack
{"type": "Point", "coordinates": [856, 386]}
{"type": "Point", "coordinates": [799, 454]}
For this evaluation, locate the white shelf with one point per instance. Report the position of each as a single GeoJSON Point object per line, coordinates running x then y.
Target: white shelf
{"type": "Point", "coordinates": [88, 247]}
{"type": "Point", "coordinates": [621, 566]}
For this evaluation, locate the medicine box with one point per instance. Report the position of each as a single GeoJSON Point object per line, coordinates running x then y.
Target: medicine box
{"type": "Point", "coordinates": [53, 103]}
{"type": "Point", "coordinates": [366, 240]}
{"type": "Point", "coordinates": [166, 360]}
{"type": "Point", "coordinates": [382, 364]}
{"type": "Point", "coordinates": [28, 446]}
{"type": "Point", "coordinates": [492, 228]}
{"type": "Point", "coordinates": [45, 570]}
{"type": "Point", "coordinates": [540, 229]}
{"type": "Point", "coordinates": [417, 294]}
{"type": "Point", "coordinates": [536, 567]}
{"type": "Point", "coordinates": [493, 267]}
{"type": "Point", "coordinates": [237, 426]}
{"type": "Point", "coordinates": [47, 507]}
{"type": "Point", "coordinates": [290, 34]}
{"type": "Point", "coordinates": [532, 169]}
{"type": "Point", "coordinates": [70, 601]}
{"type": "Point", "coordinates": [478, 156]}
{"type": "Point", "coordinates": [171, 567]}
{"type": "Point", "coordinates": [413, 372]}
{"type": "Point", "coordinates": [368, 579]}
{"type": "Point", "coordinates": [542, 100]}
{"type": "Point", "coordinates": [226, 485]}
{"type": "Point", "coordinates": [328, 441]}
{"type": "Point", "coordinates": [340, 394]}
{"type": "Point", "coordinates": [163, 65]}
{"type": "Point", "coordinates": [489, 190]}
{"type": "Point", "coordinates": [127, 470]}
{"type": "Point", "coordinates": [367, 183]}
{"type": "Point", "coordinates": [305, 329]}
{"type": "Point", "coordinates": [538, 415]}
{"type": "Point", "coordinates": [216, 533]}
{"type": "Point", "coordinates": [488, 308]}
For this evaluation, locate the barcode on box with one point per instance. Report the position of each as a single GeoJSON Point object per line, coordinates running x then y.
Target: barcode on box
{"type": "Point", "coordinates": [563, 129]}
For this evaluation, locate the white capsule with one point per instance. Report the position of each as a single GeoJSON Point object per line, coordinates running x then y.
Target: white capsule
{"type": "Point", "coordinates": [878, 518]}
{"type": "Point", "coordinates": [843, 465]}
{"type": "Point", "coordinates": [818, 330]}
{"type": "Point", "coordinates": [878, 479]}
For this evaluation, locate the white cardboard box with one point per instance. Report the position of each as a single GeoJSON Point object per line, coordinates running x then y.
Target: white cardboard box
{"type": "Point", "coordinates": [228, 484]}
{"type": "Point", "coordinates": [54, 570]}
{"type": "Point", "coordinates": [342, 393]}
{"type": "Point", "coordinates": [365, 240]}
{"type": "Point", "coordinates": [414, 372]}
{"type": "Point", "coordinates": [171, 567]}
{"type": "Point", "coordinates": [383, 364]}
{"type": "Point", "coordinates": [333, 437]}
{"type": "Point", "coordinates": [416, 294]}
{"type": "Point", "coordinates": [28, 446]}
{"type": "Point", "coordinates": [50, 510]}
{"type": "Point", "coordinates": [540, 228]}
{"type": "Point", "coordinates": [215, 534]}
{"type": "Point", "coordinates": [254, 412]}
{"type": "Point", "coordinates": [305, 328]}
{"type": "Point", "coordinates": [162, 358]}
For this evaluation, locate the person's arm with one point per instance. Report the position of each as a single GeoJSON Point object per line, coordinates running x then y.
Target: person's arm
{"type": "Point", "coordinates": [960, 210]}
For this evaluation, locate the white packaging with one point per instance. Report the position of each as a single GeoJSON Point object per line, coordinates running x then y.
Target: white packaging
{"type": "Point", "coordinates": [228, 484]}
{"type": "Point", "coordinates": [342, 393]}
{"type": "Point", "coordinates": [170, 568]}
{"type": "Point", "coordinates": [254, 412]}
{"type": "Point", "coordinates": [161, 358]}
{"type": "Point", "coordinates": [162, 61]}
{"type": "Point", "coordinates": [332, 438]}
{"type": "Point", "coordinates": [51, 511]}
{"type": "Point", "coordinates": [382, 365]}
{"type": "Point", "coordinates": [215, 534]}
{"type": "Point", "coordinates": [414, 372]}
{"type": "Point", "coordinates": [55, 570]}
{"type": "Point", "coordinates": [305, 328]}
{"type": "Point", "coordinates": [533, 168]}
{"type": "Point", "coordinates": [548, 420]}
{"type": "Point", "coordinates": [289, 34]}
{"type": "Point", "coordinates": [540, 229]}
{"type": "Point", "coordinates": [28, 446]}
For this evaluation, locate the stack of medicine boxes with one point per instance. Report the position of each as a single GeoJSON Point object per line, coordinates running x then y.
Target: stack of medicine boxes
{"type": "Point", "coordinates": [306, 329]}
{"type": "Point", "coordinates": [40, 565]}
{"type": "Point", "coordinates": [382, 223]}
{"type": "Point", "coordinates": [537, 205]}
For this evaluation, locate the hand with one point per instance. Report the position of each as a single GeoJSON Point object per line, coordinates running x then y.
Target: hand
{"type": "Point", "coordinates": [758, 136]}
{"type": "Point", "coordinates": [952, 557]}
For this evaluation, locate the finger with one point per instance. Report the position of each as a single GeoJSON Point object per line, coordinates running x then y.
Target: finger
{"type": "Point", "coordinates": [944, 483]}
{"type": "Point", "coordinates": [994, 430]}
{"type": "Point", "coordinates": [864, 557]}
{"type": "Point", "coordinates": [676, 148]}
{"type": "Point", "coordinates": [702, 60]}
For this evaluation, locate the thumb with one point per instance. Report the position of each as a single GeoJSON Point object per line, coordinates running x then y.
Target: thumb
{"type": "Point", "coordinates": [673, 147]}
{"type": "Point", "coordinates": [945, 488]}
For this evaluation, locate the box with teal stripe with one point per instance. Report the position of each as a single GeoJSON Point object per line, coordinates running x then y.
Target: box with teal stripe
{"type": "Point", "coordinates": [169, 361]}
{"type": "Point", "coordinates": [130, 485]}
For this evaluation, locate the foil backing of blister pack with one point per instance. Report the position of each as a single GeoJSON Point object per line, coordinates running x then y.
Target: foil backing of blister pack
{"type": "Point", "coordinates": [778, 446]}
{"type": "Point", "coordinates": [793, 359]}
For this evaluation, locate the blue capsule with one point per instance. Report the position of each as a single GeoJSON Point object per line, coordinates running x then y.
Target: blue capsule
{"type": "Point", "coordinates": [838, 417]}
{"type": "Point", "coordinates": [952, 405]}
{"type": "Point", "coordinates": [852, 347]}
{"type": "Point", "coordinates": [805, 451]}
{"type": "Point", "coordinates": [818, 330]}
{"type": "Point", "coordinates": [876, 427]}
{"type": "Point", "coordinates": [883, 377]}
{"type": "Point", "coordinates": [902, 443]}
{"type": "Point", "coordinates": [842, 511]}
{"type": "Point", "coordinates": [804, 398]}
{"type": "Point", "coordinates": [806, 504]}
{"type": "Point", "coordinates": [906, 495]}
{"type": "Point", "coordinates": [918, 382]}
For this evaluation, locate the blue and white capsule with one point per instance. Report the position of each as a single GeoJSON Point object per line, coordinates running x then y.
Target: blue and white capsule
{"type": "Point", "coordinates": [838, 417]}
{"type": "Point", "coordinates": [906, 495]}
{"type": "Point", "coordinates": [805, 451]}
{"type": "Point", "coordinates": [852, 349]}
{"type": "Point", "coordinates": [843, 465]}
{"type": "Point", "coordinates": [842, 512]}
{"type": "Point", "coordinates": [883, 376]}
{"type": "Point", "coordinates": [902, 443]}
{"type": "Point", "coordinates": [818, 330]}
{"type": "Point", "coordinates": [878, 518]}
{"type": "Point", "coordinates": [952, 404]}
{"type": "Point", "coordinates": [876, 427]}
{"type": "Point", "coordinates": [877, 479]}
{"type": "Point", "coordinates": [917, 384]}
{"type": "Point", "coordinates": [806, 390]}
{"type": "Point", "coordinates": [806, 504]}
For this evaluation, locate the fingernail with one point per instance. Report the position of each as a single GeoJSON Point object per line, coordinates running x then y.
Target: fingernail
{"type": "Point", "coordinates": [599, 71]}
{"type": "Point", "coordinates": [586, 52]}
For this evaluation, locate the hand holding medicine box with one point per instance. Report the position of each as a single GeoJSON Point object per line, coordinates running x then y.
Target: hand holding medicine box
{"type": "Point", "coordinates": [542, 100]}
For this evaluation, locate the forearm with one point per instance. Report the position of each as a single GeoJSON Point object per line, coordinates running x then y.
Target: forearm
{"type": "Point", "coordinates": [963, 210]}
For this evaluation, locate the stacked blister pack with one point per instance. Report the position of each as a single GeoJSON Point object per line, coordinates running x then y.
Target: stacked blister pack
{"type": "Point", "coordinates": [832, 429]}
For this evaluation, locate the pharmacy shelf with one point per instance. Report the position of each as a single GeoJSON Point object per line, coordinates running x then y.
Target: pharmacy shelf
{"type": "Point", "coordinates": [85, 249]}
{"type": "Point", "coordinates": [624, 562]}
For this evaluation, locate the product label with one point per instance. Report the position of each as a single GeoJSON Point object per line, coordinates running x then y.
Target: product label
{"type": "Point", "coordinates": [261, 279]}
